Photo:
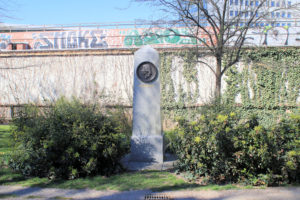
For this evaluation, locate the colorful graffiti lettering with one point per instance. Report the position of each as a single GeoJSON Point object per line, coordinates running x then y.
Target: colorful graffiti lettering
{"type": "Point", "coordinates": [4, 41]}
{"type": "Point", "coordinates": [70, 40]}
{"type": "Point", "coordinates": [273, 36]}
{"type": "Point", "coordinates": [128, 38]}
{"type": "Point", "coordinates": [158, 36]}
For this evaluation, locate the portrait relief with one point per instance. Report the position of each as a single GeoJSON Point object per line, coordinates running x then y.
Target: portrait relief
{"type": "Point", "coordinates": [147, 72]}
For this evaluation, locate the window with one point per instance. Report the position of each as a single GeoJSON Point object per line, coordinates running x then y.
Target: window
{"type": "Point", "coordinates": [283, 24]}
{"type": "Point", "coordinates": [277, 24]}
{"type": "Point", "coordinates": [289, 15]}
{"type": "Point", "coordinates": [277, 4]}
{"type": "Point", "coordinates": [231, 13]}
{"type": "Point", "coordinates": [267, 3]}
{"type": "Point", "coordinates": [246, 3]}
{"type": "Point", "coordinates": [241, 2]}
{"type": "Point", "coordinates": [272, 3]}
{"type": "Point", "coordinates": [256, 3]}
{"type": "Point", "coordinates": [283, 14]}
{"type": "Point", "coordinates": [257, 24]}
{"type": "Point", "coordinates": [289, 24]}
{"type": "Point", "coordinates": [262, 24]}
{"type": "Point", "coordinates": [256, 14]}
{"type": "Point", "coordinates": [289, 3]}
{"type": "Point", "coordinates": [236, 2]}
{"type": "Point", "coordinates": [231, 2]}
{"type": "Point", "coordinates": [273, 14]}
{"type": "Point", "coordinates": [251, 14]}
{"type": "Point", "coordinates": [236, 13]}
{"type": "Point", "coordinates": [251, 3]}
{"type": "Point", "coordinates": [241, 24]}
{"type": "Point", "coordinates": [246, 14]}
{"type": "Point", "coordinates": [277, 14]}
{"type": "Point", "coordinates": [273, 24]}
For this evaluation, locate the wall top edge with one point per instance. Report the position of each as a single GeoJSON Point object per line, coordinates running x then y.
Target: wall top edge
{"type": "Point", "coordinates": [112, 51]}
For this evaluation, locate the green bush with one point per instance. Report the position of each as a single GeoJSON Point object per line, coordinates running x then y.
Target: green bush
{"type": "Point", "coordinates": [68, 140]}
{"type": "Point", "coordinates": [224, 148]}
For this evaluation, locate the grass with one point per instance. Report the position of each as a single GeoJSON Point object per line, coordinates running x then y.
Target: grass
{"type": "Point", "coordinates": [6, 196]}
{"type": "Point", "coordinates": [33, 197]}
{"type": "Point", "coordinates": [154, 180]}
{"type": "Point", "coordinates": [5, 143]}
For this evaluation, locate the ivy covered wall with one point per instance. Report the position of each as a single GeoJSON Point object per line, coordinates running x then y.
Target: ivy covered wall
{"type": "Point", "coordinates": [269, 78]}
{"type": "Point", "coordinates": [266, 82]}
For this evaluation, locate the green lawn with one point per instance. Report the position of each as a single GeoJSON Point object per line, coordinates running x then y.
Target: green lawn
{"type": "Point", "coordinates": [154, 180]}
{"type": "Point", "coordinates": [5, 143]}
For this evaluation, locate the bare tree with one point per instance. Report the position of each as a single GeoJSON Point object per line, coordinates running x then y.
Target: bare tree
{"type": "Point", "coordinates": [221, 26]}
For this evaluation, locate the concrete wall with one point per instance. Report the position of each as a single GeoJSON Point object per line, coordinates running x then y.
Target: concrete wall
{"type": "Point", "coordinates": [107, 79]}
{"type": "Point", "coordinates": [42, 79]}
{"type": "Point", "coordinates": [101, 76]}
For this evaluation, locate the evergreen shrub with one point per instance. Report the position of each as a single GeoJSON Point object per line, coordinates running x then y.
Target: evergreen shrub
{"type": "Point", "coordinates": [68, 140]}
{"type": "Point", "coordinates": [224, 148]}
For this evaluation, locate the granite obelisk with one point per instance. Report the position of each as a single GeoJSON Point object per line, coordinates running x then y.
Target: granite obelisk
{"type": "Point", "coordinates": [147, 138]}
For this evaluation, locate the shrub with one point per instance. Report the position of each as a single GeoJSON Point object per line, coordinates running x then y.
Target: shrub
{"type": "Point", "coordinates": [224, 148]}
{"type": "Point", "coordinates": [67, 140]}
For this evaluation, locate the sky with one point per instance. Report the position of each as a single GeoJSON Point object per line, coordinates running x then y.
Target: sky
{"type": "Point", "coordinates": [39, 12]}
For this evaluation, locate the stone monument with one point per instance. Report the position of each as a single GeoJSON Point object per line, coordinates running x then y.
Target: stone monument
{"type": "Point", "coordinates": [147, 138]}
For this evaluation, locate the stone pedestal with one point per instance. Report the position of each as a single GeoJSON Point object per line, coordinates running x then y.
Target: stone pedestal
{"type": "Point", "coordinates": [147, 138]}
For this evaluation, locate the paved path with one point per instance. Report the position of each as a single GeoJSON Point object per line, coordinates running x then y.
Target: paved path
{"type": "Point", "coordinates": [18, 192]}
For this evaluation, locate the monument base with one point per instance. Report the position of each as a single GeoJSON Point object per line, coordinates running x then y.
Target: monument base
{"type": "Point", "coordinates": [169, 163]}
{"type": "Point", "coordinates": [148, 148]}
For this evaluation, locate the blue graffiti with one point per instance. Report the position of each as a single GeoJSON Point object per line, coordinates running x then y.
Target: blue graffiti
{"type": "Point", "coordinates": [70, 40]}
{"type": "Point", "coordinates": [5, 40]}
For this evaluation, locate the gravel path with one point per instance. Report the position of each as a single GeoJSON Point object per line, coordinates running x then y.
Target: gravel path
{"type": "Point", "coordinates": [18, 192]}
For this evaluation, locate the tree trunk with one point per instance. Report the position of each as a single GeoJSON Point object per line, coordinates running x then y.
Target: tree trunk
{"type": "Point", "coordinates": [218, 79]}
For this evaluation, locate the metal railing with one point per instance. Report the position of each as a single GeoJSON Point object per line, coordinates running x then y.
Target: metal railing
{"type": "Point", "coordinates": [79, 26]}
{"type": "Point", "coordinates": [116, 25]}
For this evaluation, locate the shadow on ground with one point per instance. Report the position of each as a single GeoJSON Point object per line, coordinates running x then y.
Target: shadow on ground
{"type": "Point", "coordinates": [6, 177]}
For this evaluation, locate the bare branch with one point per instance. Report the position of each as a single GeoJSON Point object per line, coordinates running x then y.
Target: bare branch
{"type": "Point", "coordinates": [225, 23]}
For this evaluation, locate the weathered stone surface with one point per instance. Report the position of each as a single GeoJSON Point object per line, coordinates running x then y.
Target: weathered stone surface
{"type": "Point", "coordinates": [147, 139]}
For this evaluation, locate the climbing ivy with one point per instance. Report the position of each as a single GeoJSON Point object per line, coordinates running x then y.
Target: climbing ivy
{"type": "Point", "coordinates": [190, 74]}
{"type": "Point", "coordinates": [167, 85]}
{"type": "Point", "coordinates": [269, 78]}
{"type": "Point", "coordinates": [267, 83]}
{"type": "Point", "coordinates": [176, 102]}
{"type": "Point", "coordinates": [233, 80]}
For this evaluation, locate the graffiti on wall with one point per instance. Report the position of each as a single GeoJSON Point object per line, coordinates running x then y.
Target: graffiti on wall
{"type": "Point", "coordinates": [128, 38]}
{"type": "Point", "coordinates": [274, 36]}
{"type": "Point", "coordinates": [69, 40]}
{"type": "Point", "coordinates": [4, 40]}
{"type": "Point", "coordinates": [158, 36]}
